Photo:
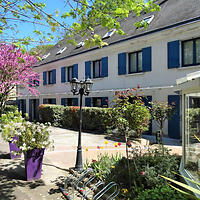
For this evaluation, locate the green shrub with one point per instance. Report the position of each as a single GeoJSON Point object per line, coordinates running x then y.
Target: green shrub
{"type": "Point", "coordinates": [9, 123]}
{"type": "Point", "coordinates": [129, 114]}
{"type": "Point", "coordinates": [105, 164]}
{"type": "Point", "coordinates": [68, 118]}
{"type": "Point", "coordinates": [51, 113]}
{"type": "Point", "coordinates": [94, 119]}
{"type": "Point", "coordinates": [10, 108]}
{"type": "Point", "coordinates": [145, 167]}
{"type": "Point", "coordinates": [162, 192]}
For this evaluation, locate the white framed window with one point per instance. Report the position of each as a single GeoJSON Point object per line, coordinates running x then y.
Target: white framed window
{"type": "Point", "coordinates": [50, 77]}
{"type": "Point", "coordinates": [109, 34]}
{"type": "Point", "coordinates": [69, 71]}
{"type": "Point", "coordinates": [191, 52]}
{"type": "Point", "coordinates": [80, 44]}
{"type": "Point", "coordinates": [149, 19]}
{"type": "Point", "coordinates": [135, 62]}
{"type": "Point", "coordinates": [46, 56]}
{"type": "Point", "coordinates": [97, 65]}
{"type": "Point", "coordinates": [61, 50]}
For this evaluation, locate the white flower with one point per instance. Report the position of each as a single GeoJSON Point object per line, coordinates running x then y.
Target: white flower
{"type": "Point", "coordinates": [33, 140]}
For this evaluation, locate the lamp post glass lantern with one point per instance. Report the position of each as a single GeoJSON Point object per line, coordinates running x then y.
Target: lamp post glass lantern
{"type": "Point", "coordinates": [80, 88]}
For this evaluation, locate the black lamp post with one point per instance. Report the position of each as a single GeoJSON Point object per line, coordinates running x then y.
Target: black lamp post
{"type": "Point", "coordinates": [82, 88]}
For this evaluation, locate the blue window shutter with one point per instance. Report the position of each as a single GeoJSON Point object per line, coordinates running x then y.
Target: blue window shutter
{"type": "Point", "coordinates": [75, 71]}
{"type": "Point", "coordinates": [174, 122]}
{"type": "Point", "coordinates": [87, 69]}
{"type": "Point", "coordinates": [44, 78]}
{"type": "Point", "coordinates": [18, 104]}
{"type": "Point", "coordinates": [104, 72]}
{"type": "Point", "coordinates": [24, 107]}
{"type": "Point", "coordinates": [75, 101]}
{"type": "Point", "coordinates": [44, 101]}
{"type": "Point", "coordinates": [146, 59]}
{"type": "Point", "coordinates": [121, 63]}
{"type": "Point", "coordinates": [37, 109]}
{"type": "Point", "coordinates": [63, 74]}
{"type": "Point", "coordinates": [104, 101]}
{"type": "Point", "coordinates": [30, 110]}
{"type": "Point", "coordinates": [54, 76]}
{"type": "Point", "coordinates": [63, 101]}
{"type": "Point", "coordinates": [88, 102]}
{"type": "Point", "coordinates": [54, 101]}
{"type": "Point", "coordinates": [173, 51]}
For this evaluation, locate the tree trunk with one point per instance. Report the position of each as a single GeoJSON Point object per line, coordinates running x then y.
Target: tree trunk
{"type": "Point", "coordinates": [3, 100]}
{"type": "Point", "coordinates": [128, 164]}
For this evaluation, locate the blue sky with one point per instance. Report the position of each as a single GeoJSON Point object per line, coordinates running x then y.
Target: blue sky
{"type": "Point", "coordinates": [26, 29]}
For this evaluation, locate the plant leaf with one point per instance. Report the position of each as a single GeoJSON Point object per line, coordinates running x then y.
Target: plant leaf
{"type": "Point", "coordinates": [182, 185]}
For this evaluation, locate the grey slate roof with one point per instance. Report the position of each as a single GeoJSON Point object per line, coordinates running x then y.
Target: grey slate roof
{"type": "Point", "coordinates": [173, 13]}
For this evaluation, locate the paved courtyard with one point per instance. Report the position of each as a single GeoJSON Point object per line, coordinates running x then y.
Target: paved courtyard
{"type": "Point", "coordinates": [55, 165]}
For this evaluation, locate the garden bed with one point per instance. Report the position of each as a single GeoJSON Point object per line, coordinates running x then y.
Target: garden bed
{"type": "Point", "coordinates": [139, 176]}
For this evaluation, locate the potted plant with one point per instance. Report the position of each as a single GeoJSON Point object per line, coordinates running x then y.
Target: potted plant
{"type": "Point", "coordinates": [10, 124]}
{"type": "Point", "coordinates": [33, 138]}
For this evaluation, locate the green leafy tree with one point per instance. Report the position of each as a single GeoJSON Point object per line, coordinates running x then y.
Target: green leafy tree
{"type": "Point", "coordinates": [41, 49]}
{"type": "Point", "coordinates": [129, 114]}
{"type": "Point", "coordinates": [160, 112]}
{"type": "Point", "coordinates": [87, 15]}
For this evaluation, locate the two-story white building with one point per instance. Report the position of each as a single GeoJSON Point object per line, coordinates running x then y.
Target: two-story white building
{"type": "Point", "coordinates": [153, 58]}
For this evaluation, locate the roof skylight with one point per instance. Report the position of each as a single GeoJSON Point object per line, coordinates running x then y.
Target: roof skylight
{"type": "Point", "coordinates": [80, 44]}
{"type": "Point", "coordinates": [109, 34]}
{"type": "Point", "coordinates": [61, 50]}
{"type": "Point", "coordinates": [45, 56]}
{"type": "Point", "coordinates": [148, 19]}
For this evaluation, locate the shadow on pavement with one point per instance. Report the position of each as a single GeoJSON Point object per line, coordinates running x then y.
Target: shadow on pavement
{"type": "Point", "coordinates": [4, 156]}
{"type": "Point", "coordinates": [59, 182]}
{"type": "Point", "coordinates": [55, 166]}
{"type": "Point", "coordinates": [12, 178]}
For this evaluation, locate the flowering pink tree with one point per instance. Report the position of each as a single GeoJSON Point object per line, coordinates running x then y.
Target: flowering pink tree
{"type": "Point", "coordinates": [15, 69]}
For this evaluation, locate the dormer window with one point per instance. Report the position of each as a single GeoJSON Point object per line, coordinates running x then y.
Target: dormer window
{"type": "Point", "coordinates": [109, 34]}
{"type": "Point", "coordinates": [80, 44]}
{"type": "Point", "coordinates": [148, 19]}
{"type": "Point", "coordinates": [144, 22]}
{"type": "Point", "coordinates": [61, 51]}
{"type": "Point", "coordinates": [45, 56]}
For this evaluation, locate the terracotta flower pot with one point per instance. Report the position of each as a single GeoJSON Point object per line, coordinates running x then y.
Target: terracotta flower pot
{"type": "Point", "coordinates": [33, 164]}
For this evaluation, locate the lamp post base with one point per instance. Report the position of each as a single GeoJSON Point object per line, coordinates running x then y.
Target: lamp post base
{"type": "Point", "coordinates": [79, 164]}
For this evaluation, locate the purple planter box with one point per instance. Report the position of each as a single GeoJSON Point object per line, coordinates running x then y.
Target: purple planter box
{"type": "Point", "coordinates": [33, 164]}
{"type": "Point", "coordinates": [13, 147]}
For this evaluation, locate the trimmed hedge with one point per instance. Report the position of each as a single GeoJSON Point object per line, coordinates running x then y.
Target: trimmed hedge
{"type": "Point", "coordinates": [51, 113]}
{"type": "Point", "coordinates": [94, 119]}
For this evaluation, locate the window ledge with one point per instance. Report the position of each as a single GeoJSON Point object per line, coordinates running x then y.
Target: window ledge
{"type": "Point", "coordinates": [134, 74]}
{"type": "Point", "coordinates": [50, 84]}
{"type": "Point", "coordinates": [188, 67]}
{"type": "Point", "coordinates": [101, 78]}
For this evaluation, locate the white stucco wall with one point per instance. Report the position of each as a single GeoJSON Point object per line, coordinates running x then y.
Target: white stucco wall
{"type": "Point", "coordinates": [155, 83]}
